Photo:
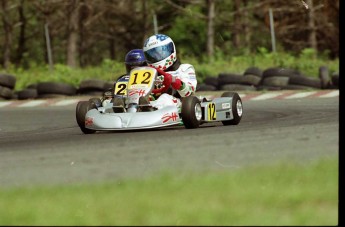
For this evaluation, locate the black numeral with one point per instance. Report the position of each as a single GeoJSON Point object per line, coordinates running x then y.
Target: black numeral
{"type": "Point", "coordinates": [122, 87]}
{"type": "Point", "coordinates": [147, 79]}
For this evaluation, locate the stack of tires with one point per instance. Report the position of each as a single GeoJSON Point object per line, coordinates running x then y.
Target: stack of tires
{"type": "Point", "coordinates": [94, 87]}
{"type": "Point", "coordinates": [7, 84]}
{"type": "Point", "coordinates": [232, 82]}
{"type": "Point", "coordinates": [286, 79]}
{"type": "Point", "coordinates": [90, 87]}
{"type": "Point", "coordinates": [275, 78]}
{"type": "Point", "coordinates": [46, 90]}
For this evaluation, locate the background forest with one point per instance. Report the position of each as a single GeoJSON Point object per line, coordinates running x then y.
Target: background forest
{"type": "Point", "coordinates": [88, 33]}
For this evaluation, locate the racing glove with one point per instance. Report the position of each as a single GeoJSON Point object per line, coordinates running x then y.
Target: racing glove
{"type": "Point", "coordinates": [176, 83]}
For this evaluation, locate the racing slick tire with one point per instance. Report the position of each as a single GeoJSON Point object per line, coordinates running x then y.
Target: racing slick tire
{"type": "Point", "coordinates": [81, 110]}
{"type": "Point", "coordinates": [191, 112]}
{"type": "Point", "coordinates": [237, 108]}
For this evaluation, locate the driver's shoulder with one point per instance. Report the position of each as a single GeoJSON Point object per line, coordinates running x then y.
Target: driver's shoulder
{"type": "Point", "coordinates": [186, 66]}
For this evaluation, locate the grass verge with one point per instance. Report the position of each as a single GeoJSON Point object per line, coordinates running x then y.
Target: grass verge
{"type": "Point", "coordinates": [284, 194]}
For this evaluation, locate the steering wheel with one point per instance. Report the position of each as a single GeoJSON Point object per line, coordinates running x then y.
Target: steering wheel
{"type": "Point", "coordinates": [166, 82]}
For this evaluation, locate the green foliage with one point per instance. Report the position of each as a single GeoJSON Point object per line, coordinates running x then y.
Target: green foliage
{"type": "Point", "coordinates": [111, 28]}
{"type": "Point", "coordinates": [189, 33]}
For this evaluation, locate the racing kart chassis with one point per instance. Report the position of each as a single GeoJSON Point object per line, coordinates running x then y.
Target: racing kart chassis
{"type": "Point", "coordinates": [91, 116]}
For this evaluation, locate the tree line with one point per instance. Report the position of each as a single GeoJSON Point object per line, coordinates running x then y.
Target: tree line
{"type": "Point", "coordinates": [81, 33]}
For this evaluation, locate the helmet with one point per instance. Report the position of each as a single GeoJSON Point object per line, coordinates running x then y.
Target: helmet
{"type": "Point", "coordinates": [134, 58]}
{"type": "Point", "coordinates": [160, 51]}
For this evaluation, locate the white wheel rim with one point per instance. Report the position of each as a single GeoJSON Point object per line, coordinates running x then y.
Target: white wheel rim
{"type": "Point", "coordinates": [239, 108]}
{"type": "Point", "coordinates": [198, 112]}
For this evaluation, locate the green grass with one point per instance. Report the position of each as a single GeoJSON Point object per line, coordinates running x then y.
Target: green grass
{"type": "Point", "coordinates": [293, 194]}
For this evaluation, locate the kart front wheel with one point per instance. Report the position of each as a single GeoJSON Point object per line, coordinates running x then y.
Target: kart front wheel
{"type": "Point", "coordinates": [81, 110]}
{"type": "Point", "coordinates": [191, 112]}
{"type": "Point", "coordinates": [236, 106]}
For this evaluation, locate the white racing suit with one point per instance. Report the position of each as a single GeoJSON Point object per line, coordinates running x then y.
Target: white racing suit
{"type": "Point", "coordinates": [186, 73]}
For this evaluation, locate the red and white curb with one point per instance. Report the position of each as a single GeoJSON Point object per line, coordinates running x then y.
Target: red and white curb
{"type": "Point", "coordinates": [245, 97]}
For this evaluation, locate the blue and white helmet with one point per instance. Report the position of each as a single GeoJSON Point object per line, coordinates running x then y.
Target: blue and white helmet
{"type": "Point", "coordinates": [134, 58]}
{"type": "Point", "coordinates": [160, 51]}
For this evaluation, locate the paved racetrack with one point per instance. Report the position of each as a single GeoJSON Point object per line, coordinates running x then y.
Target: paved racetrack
{"type": "Point", "coordinates": [44, 145]}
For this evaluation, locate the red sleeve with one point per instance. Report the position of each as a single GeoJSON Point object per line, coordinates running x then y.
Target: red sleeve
{"type": "Point", "coordinates": [176, 85]}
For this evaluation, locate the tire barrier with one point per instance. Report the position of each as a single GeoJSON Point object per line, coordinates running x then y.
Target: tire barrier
{"type": "Point", "coordinates": [253, 78]}
{"type": "Point", "coordinates": [274, 78]}
{"type": "Point", "coordinates": [7, 84]}
{"type": "Point", "coordinates": [91, 87]}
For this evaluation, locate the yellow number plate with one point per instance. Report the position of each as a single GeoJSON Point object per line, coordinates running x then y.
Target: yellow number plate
{"type": "Point", "coordinates": [142, 77]}
{"type": "Point", "coordinates": [120, 88]}
{"type": "Point", "coordinates": [211, 112]}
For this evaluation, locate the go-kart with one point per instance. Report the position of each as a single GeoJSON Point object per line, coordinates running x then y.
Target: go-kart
{"type": "Point", "coordinates": [92, 116]}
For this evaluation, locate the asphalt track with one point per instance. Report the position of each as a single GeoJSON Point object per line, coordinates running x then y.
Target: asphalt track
{"type": "Point", "coordinates": [44, 145]}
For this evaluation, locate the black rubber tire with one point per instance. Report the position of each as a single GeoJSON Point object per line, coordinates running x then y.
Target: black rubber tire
{"type": "Point", "coordinates": [86, 86]}
{"type": "Point", "coordinates": [7, 80]}
{"type": "Point", "coordinates": [211, 81]}
{"type": "Point", "coordinates": [28, 93]}
{"type": "Point", "coordinates": [278, 71]}
{"type": "Point", "coordinates": [81, 110]}
{"type": "Point", "coordinates": [6, 92]}
{"type": "Point", "coordinates": [237, 87]}
{"type": "Point", "coordinates": [306, 81]}
{"type": "Point", "coordinates": [235, 98]}
{"type": "Point", "coordinates": [205, 87]}
{"type": "Point", "coordinates": [251, 79]}
{"type": "Point", "coordinates": [44, 88]}
{"type": "Point", "coordinates": [275, 81]}
{"type": "Point", "coordinates": [14, 95]}
{"type": "Point", "coordinates": [109, 86]}
{"type": "Point", "coordinates": [229, 78]}
{"type": "Point", "coordinates": [32, 86]}
{"type": "Point", "coordinates": [188, 112]}
{"type": "Point", "coordinates": [253, 71]}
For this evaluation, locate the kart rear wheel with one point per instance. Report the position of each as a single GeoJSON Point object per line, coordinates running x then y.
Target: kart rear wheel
{"type": "Point", "coordinates": [237, 108]}
{"type": "Point", "coordinates": [81, 110]}
{"type": "Point", "coordinates": [191, 112]}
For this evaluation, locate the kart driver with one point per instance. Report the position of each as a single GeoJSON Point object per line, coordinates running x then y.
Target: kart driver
{"type": "Point", "coordinates": [134, 58]}
{"type": "Point", "coordinates": [160, 53]}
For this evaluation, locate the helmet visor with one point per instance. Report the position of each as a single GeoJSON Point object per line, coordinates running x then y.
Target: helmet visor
{"type": "Point", "coordinates": [159, 53]}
